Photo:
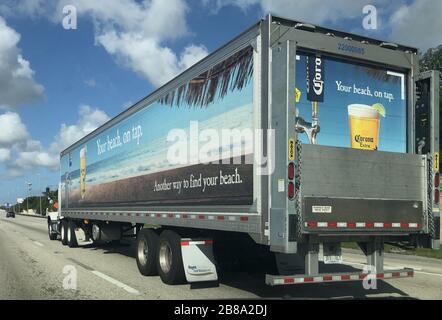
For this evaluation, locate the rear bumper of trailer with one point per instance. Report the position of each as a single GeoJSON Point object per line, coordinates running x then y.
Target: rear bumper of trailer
{"type": "Point", "coordinates": [337, 277]}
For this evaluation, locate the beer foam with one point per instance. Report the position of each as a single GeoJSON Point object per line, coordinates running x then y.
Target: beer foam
{"type": "Point", "coordinates": [83, 152]}
{"type": "Point", "coordinates": [363, 111]}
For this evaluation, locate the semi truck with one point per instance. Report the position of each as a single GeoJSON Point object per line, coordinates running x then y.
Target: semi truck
{"type": "Point", "coordinates": [272, 151]}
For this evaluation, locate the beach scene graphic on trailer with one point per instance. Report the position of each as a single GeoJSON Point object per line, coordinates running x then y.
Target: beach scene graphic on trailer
{"type": "Point", "coordinates": [130, 161]}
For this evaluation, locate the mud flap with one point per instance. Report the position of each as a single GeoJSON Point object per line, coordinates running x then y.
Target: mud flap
{"type": "Point", "coordinates": [198, 260]}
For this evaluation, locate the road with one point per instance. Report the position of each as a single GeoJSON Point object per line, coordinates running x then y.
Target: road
{"type": "Point", "coordinates": [31, 267]}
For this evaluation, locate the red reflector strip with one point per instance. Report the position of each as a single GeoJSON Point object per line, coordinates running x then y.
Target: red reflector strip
{"type": "Point", "coordinates": [220, 218]}
{"type": "Point", "coordinates": [185, 216]}
{"type": "Point", "coordinates": [184, 243]}
{"type": "Point", "coordinates": [201, 217]}
{"type": "Point", "coordinates": [312, 224]}
{"type": "Point", "coordinates": [158, 215]}
{"type": "Point", "coordinates": [244, 218]}
{"type": "Point", "coordinates": [170, 215]}
{"type": "Point", "coordinates": [208, 242]}
{"type": "Point", "coordinates": [338, 277]}
{"type": "Point", "coordinates": [366, 225]}
{"type": "Point", "coordinates": [332, 224]}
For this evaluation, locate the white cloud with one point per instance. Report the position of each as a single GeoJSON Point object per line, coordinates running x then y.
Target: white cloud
{"type": "Point", "coordinates": [147, 57]}
{"type": "Point", "coordinates": [5, 155]}
{"type": "Point", "coordinates": [313, 11]}
{"type": "Point", "coordinates": [32, 159]}
{"type": "Point", "coordinates": [134, 33]}
{"type": "Point", "coordinates": [12, 130]}
{"type": "Point", "coordinates": [89, 120]}
{"type": "Point", "coordinates": [19, 152]}
{"type": "Point", "coordinates": [17, 84]}
{"type": "Point", "coordinates": [191, 55]}
{"type": "Point", "coordinates": [418, 24]}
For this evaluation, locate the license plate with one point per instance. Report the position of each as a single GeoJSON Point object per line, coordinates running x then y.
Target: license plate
{"type": "Point", "coordinates": [332, 254]}
{"type": "Point", "coordinates": [332, 259]}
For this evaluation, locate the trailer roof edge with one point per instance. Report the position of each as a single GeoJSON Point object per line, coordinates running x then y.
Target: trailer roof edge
{"type": "Point", "coordinates": [339, 33]}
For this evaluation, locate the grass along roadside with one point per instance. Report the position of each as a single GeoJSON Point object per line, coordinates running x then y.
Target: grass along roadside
{"type": "Point", "coordinates": [402, 249]}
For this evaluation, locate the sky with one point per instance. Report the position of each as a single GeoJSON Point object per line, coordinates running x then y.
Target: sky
{"type": "Point", "coordinates": [58, 84]}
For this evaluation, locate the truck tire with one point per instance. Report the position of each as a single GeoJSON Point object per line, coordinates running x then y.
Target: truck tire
{"type": "Point", "coordinates": [147, 248]}
{"type": "Point", "coordinates": [169, 258]}
{"type": "Point", "coordinates": [52, 235]}
{"type": "Point", "coordinates": [63, 232]}
{"type": "Point", "coordinates": [71, 237]}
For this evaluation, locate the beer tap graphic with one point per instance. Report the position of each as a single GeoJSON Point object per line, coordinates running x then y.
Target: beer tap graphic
{"type": "Point", "coordinates": [315, 93]}
{"type": "Point", "coordinates": [311, 129]}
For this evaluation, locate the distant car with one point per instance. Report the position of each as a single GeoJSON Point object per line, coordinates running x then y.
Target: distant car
{"type": "Point", "coordinates": [10, 214]}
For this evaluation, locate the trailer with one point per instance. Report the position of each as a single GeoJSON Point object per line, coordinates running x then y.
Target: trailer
{"type": "Point", "coordinates": [282, 144]}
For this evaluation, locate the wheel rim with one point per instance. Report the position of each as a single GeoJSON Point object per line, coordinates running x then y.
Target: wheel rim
{"type": "Point", "coordinates": [143, 251]}
{"type": "Point", "coordinates": [62, 232]}
{"type": "Point", "coordinates": [69, 234]}
{"type": "Point", "coordinates": [165, 257]}
{"type": "Point", "coordinates": [95, 232]}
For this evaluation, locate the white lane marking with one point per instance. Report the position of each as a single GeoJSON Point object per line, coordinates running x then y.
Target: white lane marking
{"type": "Point", "coordinates": [38, 244]}
{"type": "Point", "coordinates": [115, 282]}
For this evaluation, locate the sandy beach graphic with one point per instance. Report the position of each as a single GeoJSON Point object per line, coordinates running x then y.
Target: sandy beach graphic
{"type": "Point", "coordinates": [130, 162]}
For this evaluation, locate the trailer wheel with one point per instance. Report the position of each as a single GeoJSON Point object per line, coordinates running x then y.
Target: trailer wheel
{"type": "Point", "coordinates": [51, 233]}
{"type": "Point", "coordinates": [64, 232]}
{"type": "Point", "coordinates": [147, 248]}
{"type": "Point", "coordinates": [169, 258]}
{"type": "Point", "coordinates": [71, 237]}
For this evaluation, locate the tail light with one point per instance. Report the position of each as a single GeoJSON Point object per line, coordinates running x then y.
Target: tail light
{"type": "Point", "coordinates": [291, 190]}
{"type": "Point", "coordinates": [436, 196]}
{"type": "Point", "coordinates": [291, 171]}
{"type": "Point", "coordinates": [436, 180]}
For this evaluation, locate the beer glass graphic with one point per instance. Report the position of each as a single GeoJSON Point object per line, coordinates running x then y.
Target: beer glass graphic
{"type": "Point", "coordinates": [83, 172]}
{"type": "Point", "coordinates": [364, 123]}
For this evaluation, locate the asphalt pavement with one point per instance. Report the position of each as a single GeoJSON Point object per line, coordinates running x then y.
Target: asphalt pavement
{"type": "Point", "coordinates": [33, 267]}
